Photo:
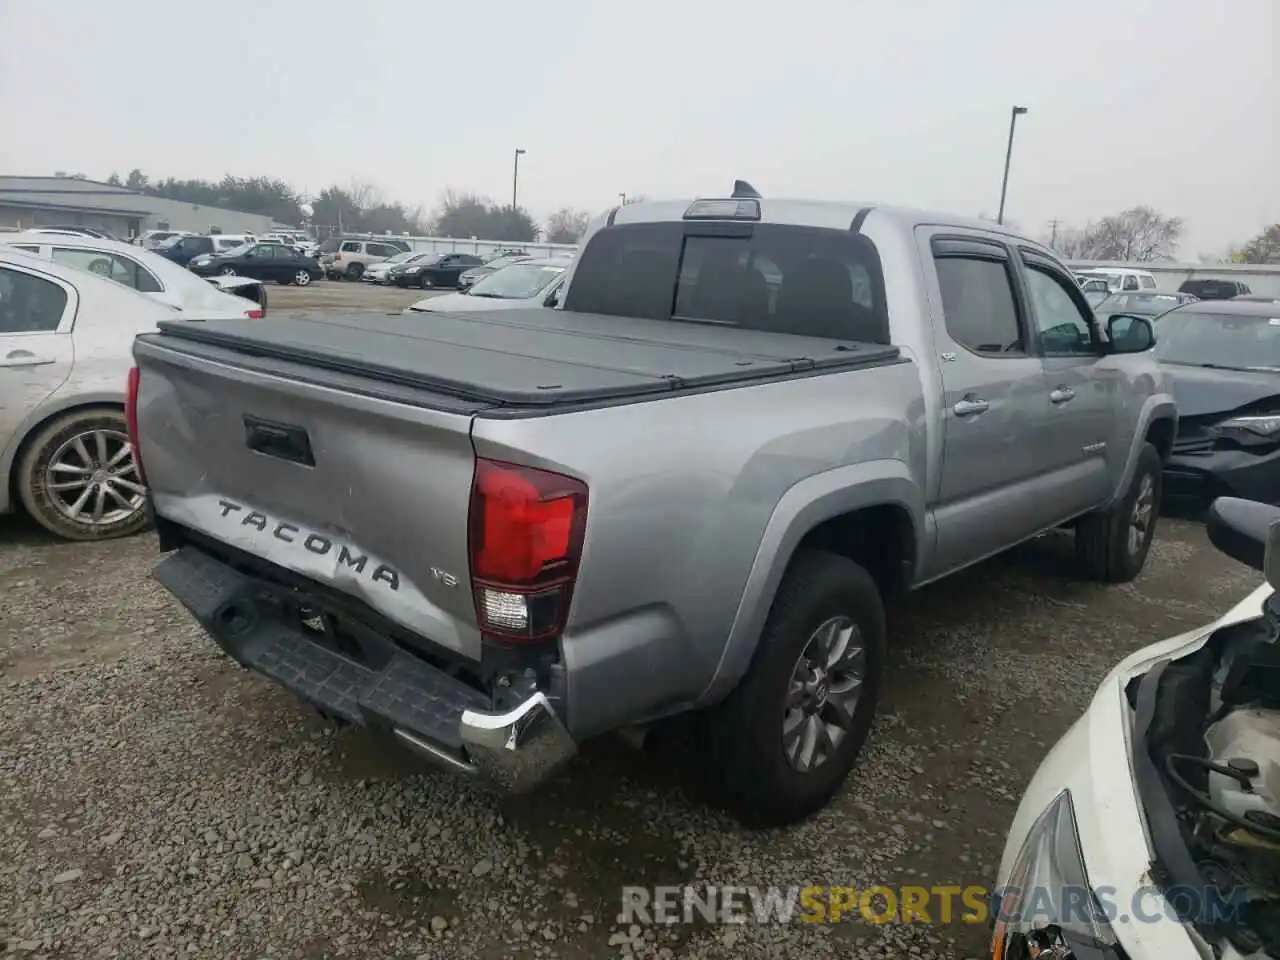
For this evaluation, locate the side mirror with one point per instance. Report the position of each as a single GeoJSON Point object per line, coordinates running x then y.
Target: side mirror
{"type": "Point", "coordinates": [553, 298]}
{"type": "Point", "coordinates": [1247, 531]}
{"type": "Point", "coordinates": [1130, 334]}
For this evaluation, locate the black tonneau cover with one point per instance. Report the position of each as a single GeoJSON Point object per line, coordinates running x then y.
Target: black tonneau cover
{"type": "Point", "coordinates": [529, 356]}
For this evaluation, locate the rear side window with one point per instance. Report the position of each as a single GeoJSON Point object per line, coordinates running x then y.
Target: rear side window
{"type": "Point", "coordinates": [29, 304]}
{"type": "Point", "coordinates": [351, 246]}
{"type": "Point", "coordinates": [978, 307]}
{"type": "Point", "coordinates": [1130, 283]}
{"type": "Point", "coordinates": [771, 277]}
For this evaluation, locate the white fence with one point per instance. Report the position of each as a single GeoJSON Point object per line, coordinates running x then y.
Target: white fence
{"type": "Point", "coordinates": [1262, 279]}
{"type": "Point", "coordinates": [482, 248]}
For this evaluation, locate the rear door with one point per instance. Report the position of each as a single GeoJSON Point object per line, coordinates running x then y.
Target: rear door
{"type": "Point", "coordinates": [1082, 391]}
{"type": "Point", "coordinates": [995, 402]}
{"type": "Point", "coordinates": [37, 312]}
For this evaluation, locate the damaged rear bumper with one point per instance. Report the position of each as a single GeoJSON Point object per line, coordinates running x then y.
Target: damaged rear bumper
{"type": "Point", "coordinates": [432, 712]}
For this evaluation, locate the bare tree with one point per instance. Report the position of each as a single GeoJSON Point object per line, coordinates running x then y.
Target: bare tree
{"type": "Point", "coordinates": [1137, 235]}
{"type": "Point", "coordinates": [1264, 248]}
{"type": "Point", "coordinates": [567, 225]}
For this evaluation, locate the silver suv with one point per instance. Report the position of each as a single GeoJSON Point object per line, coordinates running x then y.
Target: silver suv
{"type": "Point", "coordinates": [345, 258]}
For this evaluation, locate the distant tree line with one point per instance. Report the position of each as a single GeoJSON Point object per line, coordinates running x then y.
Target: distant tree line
{"type": "Point", "coordinates": [360, 208]}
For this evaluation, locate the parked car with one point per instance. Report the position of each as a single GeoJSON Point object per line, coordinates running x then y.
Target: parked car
{"type": "Point", "coordinates": [182, 250]}
{"type": "Point", "coordinates": [144, 271]}
{"type": "Point", "coordinates": [1161, 804]}
{"type": "Point", "coordinates": [436, 270]}
{"type": "Point", "coordinates": [471, 276]}
{"type": "Point", "coordinates": [1120, 278]}
{"type": "Point", "coordinates": [529, 283]}
{"type": "Point", "coordinates": [1224, 356]}
{"type": "Point", "coordinates": [683, 489]}
{"type": "Point", "coordinates": [1214, 289]}
{"type": "Point", "coordinates": [1139, 304]}
{"type": "Point", "coordinates": [65, 341]}
{"type": "Point", "coordinates": [346, 258]}
{"type": "Point", "coordinates": [1256, 298]}
{"type": "Point", "coordinates": [262, 261]}
{"type": "Point", "coordinates": [377, 272]}
{"type": "Point", "coordinates": [153, 238]}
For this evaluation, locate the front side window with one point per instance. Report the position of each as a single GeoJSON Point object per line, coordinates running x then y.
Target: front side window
{"type": "Point", "coordinates": [29, 304]}
{"type": "Point", "coordinates": [1061, 328]}
{"type": "Point", "coordinates": [1130, 283]}
{"type": "Point", "coordinates": [351, 246]}
{"type": "Point", "coordinates": [770, 277]}
{"type": "Point", "coordinates": [1148, 282]}
{"type": "Point", "coordinates": [978, 306]}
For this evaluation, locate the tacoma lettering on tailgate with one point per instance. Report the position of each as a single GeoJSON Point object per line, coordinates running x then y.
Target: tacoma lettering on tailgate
{"type": "Point", "coordinates": [309, 540]}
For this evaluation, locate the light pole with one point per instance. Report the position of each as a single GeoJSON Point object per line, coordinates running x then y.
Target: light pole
{"type": "Point", "coordinates": [515, 178]}
{"type": "Point", "coordinates": [1008, 155]}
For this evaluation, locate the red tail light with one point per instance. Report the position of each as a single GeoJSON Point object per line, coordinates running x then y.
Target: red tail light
{"type": "Point", "coordinates": [255, 314]}
{"type": "Point", "coordinates": [526, 532]}
{"type": "Point", "coordinates": [131, 419]}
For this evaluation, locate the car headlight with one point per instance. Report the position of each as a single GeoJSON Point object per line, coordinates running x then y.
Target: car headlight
{"type": "Point", "coordinates": [1047, 908]}
{"type": "Point", "coordinates": [1263, 425]}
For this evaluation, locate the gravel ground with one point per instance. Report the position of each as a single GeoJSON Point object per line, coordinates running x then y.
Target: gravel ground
{"type": "Point", "coordinates": [156, 801]}
{"type": "Point", "coordinates": [344, 295]}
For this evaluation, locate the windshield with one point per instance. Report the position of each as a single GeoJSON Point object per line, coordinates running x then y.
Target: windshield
{"type": "Point", "coordinates": [1199, 339]}
{"type": "Point", "coordinates": [169, 244]}
{"type": "Point", "coordinates": [330, 245]}
{"type": "Point", "coordinates": [400, 257]}
{"type": "Point", "coordinates": [1139, 304]}
{"type": "Point", "coordinates": [519, 281]}
{"type": "Point", "coordinates": [239, 250]}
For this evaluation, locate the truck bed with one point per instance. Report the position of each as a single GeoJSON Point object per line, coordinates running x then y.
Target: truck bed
{"type": "Point", "coordinates": [525, 357]}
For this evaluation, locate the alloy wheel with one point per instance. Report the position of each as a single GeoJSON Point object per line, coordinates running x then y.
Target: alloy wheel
{"type": "Point", "coordinates": [822, 693]}
{"type": "Point", "coordinates": [93, 478]}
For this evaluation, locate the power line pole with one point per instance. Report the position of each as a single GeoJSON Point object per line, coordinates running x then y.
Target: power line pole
{"type": "Point", "coordinates": [1053, 236]}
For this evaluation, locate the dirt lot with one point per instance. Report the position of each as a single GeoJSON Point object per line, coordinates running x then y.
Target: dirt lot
{"type": "Point", "coordinates": [156, 801]}
{"type": "Point", "coordinates": [343, 295]}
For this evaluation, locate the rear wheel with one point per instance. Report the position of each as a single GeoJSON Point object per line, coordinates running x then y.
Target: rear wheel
{"type": "Point", "coordinates": [782, 743]}
{"type": "Point", "coordinates": [228, 271]}
{"type": "Point", "coordinates": [78, 477]}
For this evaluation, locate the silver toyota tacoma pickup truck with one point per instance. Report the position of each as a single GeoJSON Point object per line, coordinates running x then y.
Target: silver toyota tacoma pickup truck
{"type": "Point", "coordinates": [686, 492]}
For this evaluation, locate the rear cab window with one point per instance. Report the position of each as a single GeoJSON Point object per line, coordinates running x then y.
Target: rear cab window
{"type": "Point", "coordinates": [776, 278]}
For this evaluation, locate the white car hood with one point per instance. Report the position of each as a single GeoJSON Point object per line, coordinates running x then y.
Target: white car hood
{"type": "Point", "coordinates": [465, 303]}
{"type": "Point", "coordinates": [1092, 761]}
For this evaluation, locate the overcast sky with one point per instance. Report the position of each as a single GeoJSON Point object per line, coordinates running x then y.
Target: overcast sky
{"type": "Point", "coordinates": [1171, 104]}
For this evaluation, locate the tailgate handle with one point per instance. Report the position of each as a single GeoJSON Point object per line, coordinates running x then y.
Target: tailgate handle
{"type": "Point", "coordinates": [280, 440]}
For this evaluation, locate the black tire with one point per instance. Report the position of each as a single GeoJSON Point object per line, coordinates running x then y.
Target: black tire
{"type": "Point", "coordinates": [740, 758]}
{"type": "Point", "coordinates": [426, 282]}
{"type": "Point", "coordinates": [1103, 547]}
{"type": "Point", "coordinates": [39, 501]}
{"type": "Point", "coordinates": [355, 271]}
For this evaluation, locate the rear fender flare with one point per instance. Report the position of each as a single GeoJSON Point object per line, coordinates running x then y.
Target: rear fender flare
{"type": "Point", "coordinates": [802, 508]}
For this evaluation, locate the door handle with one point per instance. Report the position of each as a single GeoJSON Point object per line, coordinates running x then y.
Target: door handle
{"type": "Point", "coordinates": [1062, 395]}
{"type": "Point", "coordinates": [970, 407]}
{"type": "Point", "coordinates": [24, 358]}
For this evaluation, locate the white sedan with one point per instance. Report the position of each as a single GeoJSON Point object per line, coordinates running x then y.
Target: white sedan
{"type": "Point", "coordinates": [147, 272]}
{"type": "Point", "coordinates": [66, 347]}
{"type": "Point", "coordinates": [529, 283]}
{"type": "Point", "coordinates": [1152, 829]}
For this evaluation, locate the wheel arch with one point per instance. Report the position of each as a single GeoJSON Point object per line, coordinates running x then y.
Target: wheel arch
{"type": "Point", "coordinates": [849, 511]}
{"type": "Point", "coordinates": [28, 432]}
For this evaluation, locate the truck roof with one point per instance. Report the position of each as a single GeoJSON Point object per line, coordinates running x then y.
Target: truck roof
{"type": "Point", "coordinates": [832, 214]}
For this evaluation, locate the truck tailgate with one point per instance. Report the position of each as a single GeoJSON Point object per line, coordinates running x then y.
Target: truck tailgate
{"type": "Point", "coordinates": [363, 494]}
